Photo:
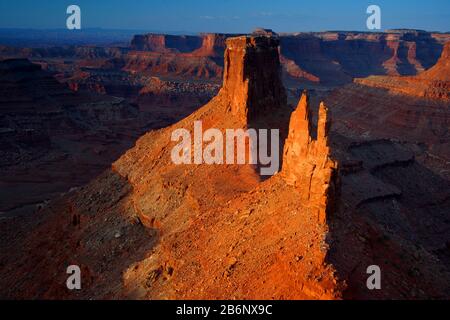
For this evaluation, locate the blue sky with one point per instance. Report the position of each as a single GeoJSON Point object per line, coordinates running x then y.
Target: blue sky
{"type": "Point", "coordinates": [227, 15]}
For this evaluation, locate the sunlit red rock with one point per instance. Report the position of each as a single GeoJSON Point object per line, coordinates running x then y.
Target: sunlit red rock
{"type": "Point", "coordinates": [307, 162]}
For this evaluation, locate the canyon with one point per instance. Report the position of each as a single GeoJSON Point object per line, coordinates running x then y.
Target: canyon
{"type": "Point", "coordinates": [363, 120]}
{"type": "Point", "coordinates": [330, 58]}
{"type": "Point", "coordinates": [167, 215]}
{"type": "Point", "coordinates": [49, 133]}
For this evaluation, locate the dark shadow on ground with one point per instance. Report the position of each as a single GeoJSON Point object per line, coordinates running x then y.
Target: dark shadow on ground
{"type": "Point", "coordinates": [94, 228]}
{"type": "Point", "coordinates": [391, 212]}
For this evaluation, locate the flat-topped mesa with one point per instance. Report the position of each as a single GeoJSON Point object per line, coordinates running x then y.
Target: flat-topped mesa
{"type": "Point", "coordinates": [163, 43]}
{"type": "Point", "coordinates": [306, 161]}
{"type": "Point", "coordinates": [252, 76]}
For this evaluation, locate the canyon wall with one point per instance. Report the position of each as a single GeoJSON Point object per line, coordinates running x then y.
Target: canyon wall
{"type": "Point", "coordinates": [165, 43]}
{"type": "Point", "coordinates": [410, 108]}
{"type": "Point", "coordinates": [433, 83]}
{"type": "Point", "coordinates": [328, 58]}
{"type": "Point", "coordinates": [334, 58]}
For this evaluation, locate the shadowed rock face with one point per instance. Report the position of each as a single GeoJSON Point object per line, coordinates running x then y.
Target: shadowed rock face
{"type": "Point", "coordinates": [390, 136]}
{"type": "Point", "coordinates": [252, 90]}
{"type": "Point", "coordinates": [165, 43]}
{"type": "Point", "coordinates": [412, 109]}
{"type": "Point", "coordinates": [440, 71]}
{"type": "Point", "coordinates": [431, 84]}
{"type": "Point", "coordinates": [207, 44]}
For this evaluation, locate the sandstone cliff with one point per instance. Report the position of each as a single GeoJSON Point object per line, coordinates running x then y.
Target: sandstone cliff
{"type": "Point", "coordinates": [328, 58]}
{"type": "Point", "coordinates": [165, 43]}
{"type": "Point", "coordinates": [440, 71]}
{"type": "Point", "coordinates": [251, 90]}
{"type": "Point", "coordinates": [331, 58]}
{"type": "Point", "coordinates": [433, 83]}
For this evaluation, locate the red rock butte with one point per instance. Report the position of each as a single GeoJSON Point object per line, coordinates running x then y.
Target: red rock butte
{"type": "Point", "coordinates": [252, 76]}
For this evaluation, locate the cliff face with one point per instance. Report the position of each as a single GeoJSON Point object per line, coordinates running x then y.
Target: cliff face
{"type": "Point", "coordinates": [336, 58]}
{"type": "Point", "coordinates": [213, 45]}
{"type": "Point", "coordinates": [307, 162]}
{"type": "Point", "coordinates": [432, 84]}
{"type": "Point", "coordinates": [328, 58]}
{"type": "Point", "coordinates": [414, 110]}
{"type": "Point", "coordinates": [251, 90]}
{"type": "Point", "coordinates": [165, 43]}
{"type": "Point", "coordinates": [332, 58]}
{"type": "Point", "coordinates": [440, 71]}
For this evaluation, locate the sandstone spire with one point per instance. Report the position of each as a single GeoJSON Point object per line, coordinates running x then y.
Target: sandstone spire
{"type": "Point", "coordinates": [252, 76]}
{"type": "Point", "coordinates": [323, 125]}
{"type": "Point", "coordinates": [306, 162]}
{"type": "Point", "coordinates": [302, 121]}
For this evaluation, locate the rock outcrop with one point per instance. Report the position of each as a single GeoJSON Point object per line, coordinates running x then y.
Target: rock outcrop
{"type": "Point", "coordinates": [307, 162]}
{"type": "Point", "coordinates": [253, 91]}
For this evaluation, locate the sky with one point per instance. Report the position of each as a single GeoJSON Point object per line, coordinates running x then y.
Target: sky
{"type": "Point", "coordinates": [229, 16]}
